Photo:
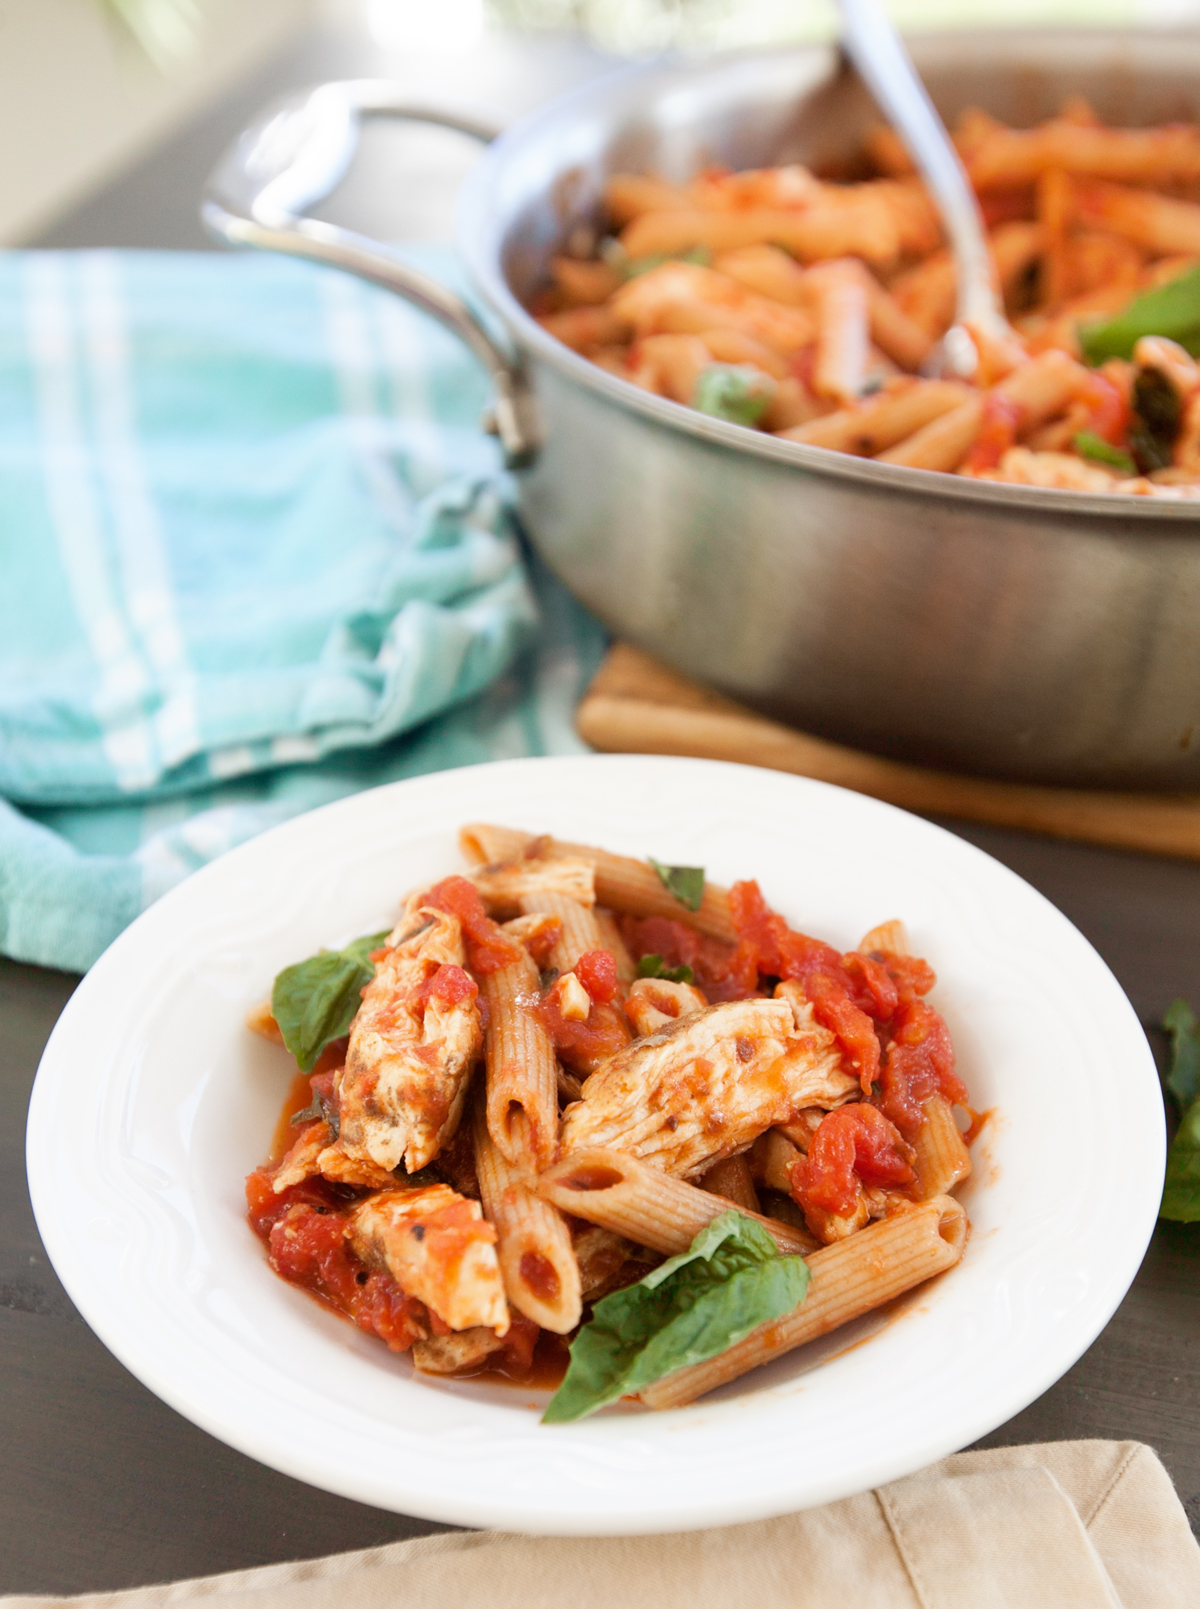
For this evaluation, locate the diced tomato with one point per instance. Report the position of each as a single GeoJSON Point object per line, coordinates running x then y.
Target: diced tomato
{"type": "Point", "coordinates": [912, 976]}
{"type": "Point", "coordinates": [1107, 408]}
{"type": "Point", "coordinates": [852, 1144]}
{"type": "Point", "coordinates": [597, 971]}
{"type": "Point", "coordinates": [1007, 205]}
{"type": "Point", "coordinates": [919, 1063]}
{"type": "Point", "coordinates": [716, 967]}
{"type": "Point", "coordinates": [853, 1028]}
{"type": "Point", "coordinates": [582, 1046]}
{"type": "Point", "coordinates": [997, 433]}
{"type": "Point", "coordinates": [543, 939]}
{"type": "Point", "coordinates": [381, 1308]}
{"type": "Point", "coordinates": [488, 948]}
{"type": "Point", "coordinates": [449, 986]}
{"type": "Point", "coordinates": [877, 980]}
{"type": "Point", "coordinates": [308, 1247]}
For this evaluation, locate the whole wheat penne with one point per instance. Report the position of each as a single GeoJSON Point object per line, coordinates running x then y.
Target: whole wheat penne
{"type": "Point", "coordinates": [578, 930]}
{"type": "Point", "coordinates": [944, 443]}
{"type": "Point", "coordinates": [771, 1159]}
{"type": "Point", "coordinates": [1043, 387]}
{"type": "Point", "coordinates": [768, 271]}
{"type": "Point", "coordinates": [611, 940]}
{"type": "Point", "coordinates": [533, 1244]}
{"type": "Point", "coordinates": [1006, 156]}
{"type": "Point", "coordinates": [843, 323]}
{"type": "Point", "coordinates": [892, 415]}
{"type": "Point", "coordinates": [1160, 224]}
{"type": "Point", "coordinates": [628, 195]}
{"type": "Point", "coordinates": [583, 284]}
{"type": "Point", "coordinates": [732, 1180]}
{"type": "Point", "coordinates": [633, 1199]}
{"type": "Point", "coordinates": [847, 1280]}
{"type": "Point", "coordinates": [942, 1159]}
{"type": "Point", "coordinates": [821, 231]}
{"type": "Point", "coordinates": [1054, 217]}
{"type": "Point", "coordinates": [622, 883]}
{"type": "Point", "coordinates": [582, 328]}
{"type": "Point", "coordinates": [669, 365]}
{"type": "Point", "coordinates": [735, 346]}
{"type": "Point", "coordinates": [522, 1070]}
{"type": "Point", "coordinates": [503, 887]}
{"type": "Point", "coordinates": [891, 937]}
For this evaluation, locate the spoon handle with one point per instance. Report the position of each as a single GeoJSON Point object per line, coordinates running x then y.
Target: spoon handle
{"type": "Point", "coordinates": [886, 68]}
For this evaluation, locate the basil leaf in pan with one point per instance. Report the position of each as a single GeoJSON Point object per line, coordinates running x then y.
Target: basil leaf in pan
{"type": "Point", "coordinates": [1089, 445]}
{"type": "Point", "coordinates": [1183, 1080]}
{"type": "Point", "coordinates": [315, 1001]}
{"type": "Point", "coordinates": [734, 391]}
{"type": "Point", "coordinates": [730, 1280]}
{"type": "Point", "coordinates": [685, 882]}
{"type": "Point", "coordinates": [1172, 310]}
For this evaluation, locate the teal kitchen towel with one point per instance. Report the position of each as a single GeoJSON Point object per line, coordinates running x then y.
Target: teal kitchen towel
{"type": "Point", "coordinates": [255, 554]}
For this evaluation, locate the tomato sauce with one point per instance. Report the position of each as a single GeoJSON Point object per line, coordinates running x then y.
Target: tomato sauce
{"type": "Point", "coordinates": [852, 1144]}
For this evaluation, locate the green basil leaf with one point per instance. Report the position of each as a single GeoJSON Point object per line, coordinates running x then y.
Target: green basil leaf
{"type": "Point", "coordinates": [651, 966]}
{"type": "Point", "coordinates": [734, 391]}
{"type": "Point", "coordinates": [315, 1001]}
{"type": "Point", "coordinates": [730, 1280]}
{"type": "Point", "coordinates": [1183, 1079]}
{"type": "Point", "coordinates": [1172, 309]}
{"type": "Point", "coordinates": [1181, 1188]}
{"type": "Point", "coordinates": [685, 882]}
{"type": "Point", "coordinates": [1089, 445]}
{"type": "Point", "coordinates": [633, 266]}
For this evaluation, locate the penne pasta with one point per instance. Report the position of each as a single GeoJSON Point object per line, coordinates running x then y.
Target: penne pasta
{"type": "Point", "coordinates": [522, 1070]}
{"type": "Point", "coordinates": [942, 444]}
{"type": "Point", "coordinates": [614, 1190]}
{"type": "Point", "coordinates": [533, 1243]}
{"type": "Point", "coordinates": [891, 416]}
{"type": "Point", "coordinates": [942, 1160]}
{"type": "Point", "coordinates": [621, 883]}
{"type": "Point", "coordinates": [733, 1181]}
{"type": "Point", "coordinates": [848, 1279]}
{"type": "Point", "coordinates": [611, 940]}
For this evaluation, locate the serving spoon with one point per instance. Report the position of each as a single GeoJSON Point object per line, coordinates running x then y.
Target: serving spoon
{"type": "Point", "coordinates": [886, 68]}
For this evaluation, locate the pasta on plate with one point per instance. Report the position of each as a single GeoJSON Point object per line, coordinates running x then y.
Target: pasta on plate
{"type": "Point", "coordinates": [808, 307]}
{"type": "Point", "coordinates": [573, 1097]}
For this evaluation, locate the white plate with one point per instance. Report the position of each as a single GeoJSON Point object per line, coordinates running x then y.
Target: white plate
{"type": "Point", "coordinates": [152, 1103]}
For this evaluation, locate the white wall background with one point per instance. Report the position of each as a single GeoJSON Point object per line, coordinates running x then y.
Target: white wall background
{"type": "Point", "coordinates": [78, 100]}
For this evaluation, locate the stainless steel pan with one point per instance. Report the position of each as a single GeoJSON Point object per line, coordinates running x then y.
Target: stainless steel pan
{"type": "Point", "coordinates": [995, 629]}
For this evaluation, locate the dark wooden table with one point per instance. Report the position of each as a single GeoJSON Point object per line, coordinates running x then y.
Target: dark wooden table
{"type": "Point", "coordinates": [103, 1486]}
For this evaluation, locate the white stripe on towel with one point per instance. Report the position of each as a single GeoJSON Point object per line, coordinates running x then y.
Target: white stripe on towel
{"type": "Point", "coordinates": [71, 497]}
{"type": "Point", "coordinates": [145, 574]}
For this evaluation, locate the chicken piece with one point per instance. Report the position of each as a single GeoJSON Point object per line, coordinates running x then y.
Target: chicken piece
{"type": "Point", "coordinates": [705, 1087]}
{"type": "Point", "coordinates": [451, 1354]}
{"type": "Point", "coordinates": [412, 1045]}
{"type": "Point", "coordinates": [1063, 471]}
{"type": "Point", "coordinates": [437, 1246]}
{"type": "Point", "coordinates": [502, 887]}
{"type": "Point", "coordinates": [316, 1151]}
{"type": "Point", "coordinates": [655, 1002]}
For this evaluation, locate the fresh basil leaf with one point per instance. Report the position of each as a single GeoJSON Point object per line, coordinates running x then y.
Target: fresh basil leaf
{"type": "Point", "coordinates": [1172, 310]}
{"type": "Point", "coordinates": [734, 391]}
{"type": "Point", "coordinates": [633, 266]}
{"type": "Point", "coordinates": [1157, 417]}
{"type": "Point", "coordinates": [1183, 1078]}
{"type": "Point", "coordinates": [685, 882]}
{"type": "Point", "coordinates": [1089, 445]}
{"type": "Point", "coordinates": [1181, 1188]}
{"type": "Point", "coordinates": [651, 966]}
{"type": "Point", "coordinates": [730, 1280]}
{"type": "Point", "coordinates": [315, 1001]}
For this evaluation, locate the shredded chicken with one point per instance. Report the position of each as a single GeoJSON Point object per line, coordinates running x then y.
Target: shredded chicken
{"type": "Point", "coordinates": [450, 1354]}
{"type": "Point", "coordinates": [437, 1246]}
{"type": "Point", "coordinates": [410, 1055]}
{"type": "Point", "coordinates": [708, 1085]}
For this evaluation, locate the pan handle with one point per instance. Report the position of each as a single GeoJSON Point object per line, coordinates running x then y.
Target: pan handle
{"type": "Point", "coordinates": [295, 153]}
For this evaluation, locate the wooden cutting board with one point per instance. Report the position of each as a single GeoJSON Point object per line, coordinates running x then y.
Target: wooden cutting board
{"type": "Point", "coordinates": [637, 706]}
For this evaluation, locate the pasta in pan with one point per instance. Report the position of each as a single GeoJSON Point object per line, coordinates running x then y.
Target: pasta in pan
{"type": "Point", "coordinates": [577, 1098]}
{"type": "Point", "coordinates": [810, 308]}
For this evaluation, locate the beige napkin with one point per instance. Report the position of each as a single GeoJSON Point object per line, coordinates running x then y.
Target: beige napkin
{"type": "Point", "coordinates": [1065, 1525]}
